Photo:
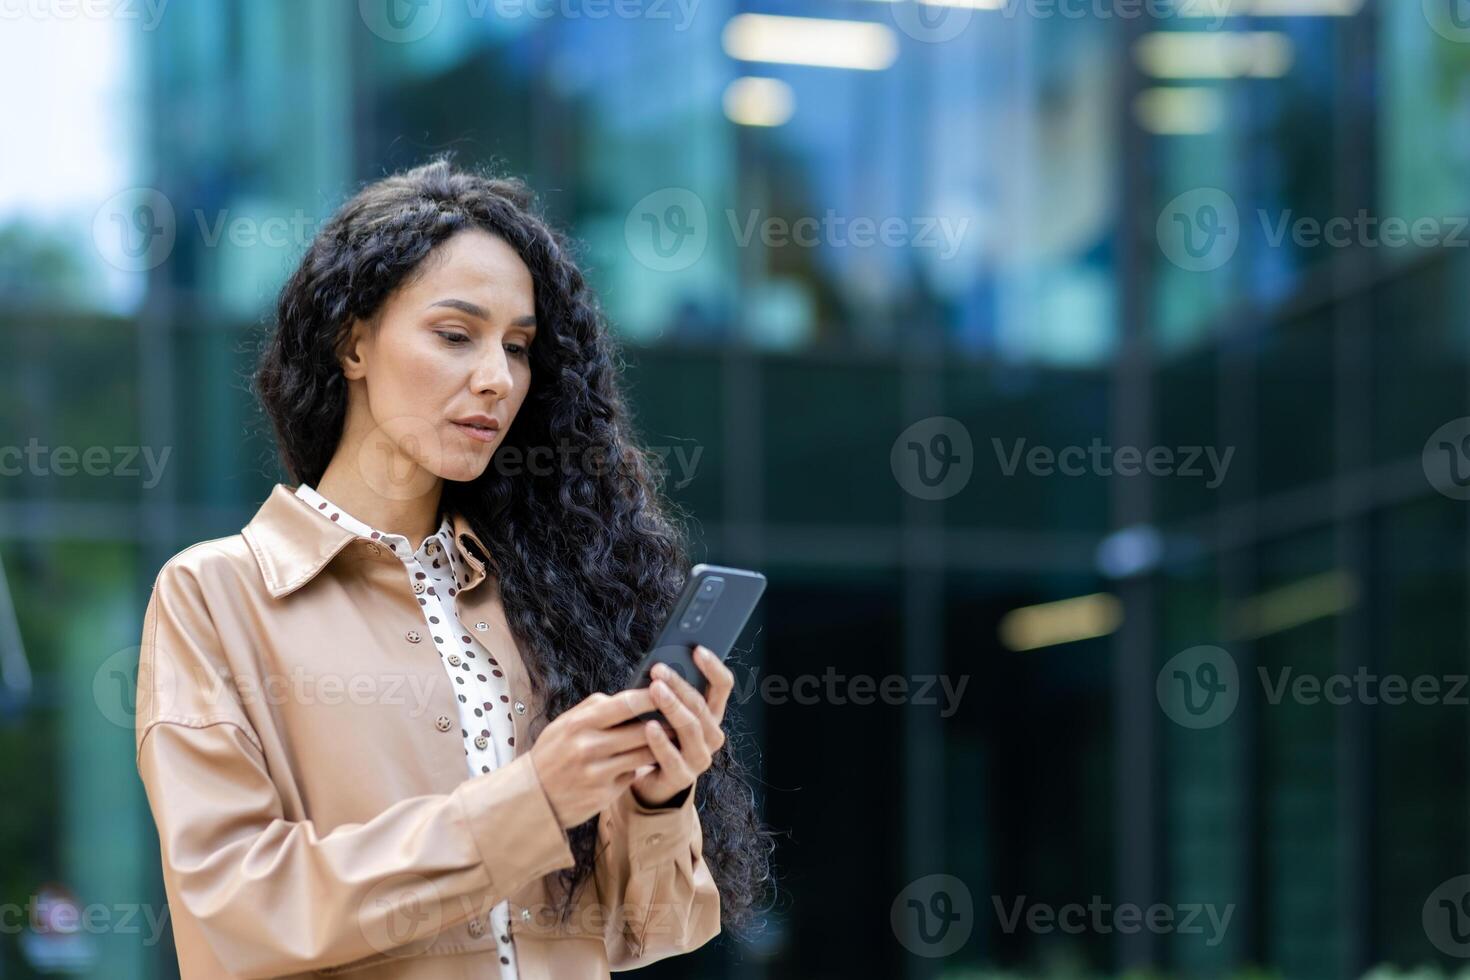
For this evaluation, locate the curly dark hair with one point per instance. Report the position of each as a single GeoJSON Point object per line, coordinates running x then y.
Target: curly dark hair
{"type": "Point", "coordinates": [588, 560]}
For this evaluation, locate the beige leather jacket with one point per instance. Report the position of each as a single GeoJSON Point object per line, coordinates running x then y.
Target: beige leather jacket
{"type": "Point", "coordinates": [301, 754]}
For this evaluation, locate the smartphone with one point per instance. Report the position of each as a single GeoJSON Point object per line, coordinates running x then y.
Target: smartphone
{"type": "Point", "coordinates": [712, 610]}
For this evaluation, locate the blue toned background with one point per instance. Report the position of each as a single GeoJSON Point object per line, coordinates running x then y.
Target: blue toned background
{"type": "Point", "coordinates": [1091, 373]}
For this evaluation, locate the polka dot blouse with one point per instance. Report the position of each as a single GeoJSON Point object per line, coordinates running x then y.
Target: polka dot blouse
{"type": "Point", "coordinates": [436, 573]}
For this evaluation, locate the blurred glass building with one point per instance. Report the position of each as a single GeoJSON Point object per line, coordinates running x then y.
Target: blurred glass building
{"type": "Point", "coordinates": [844, 242]}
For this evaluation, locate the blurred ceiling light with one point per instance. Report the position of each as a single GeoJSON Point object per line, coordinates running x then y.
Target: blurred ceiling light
{"type": "Point", "coordinates": [759, 101]}
{"type": "Point", "coordinates": [1302, 601]}
{"type": "Point", "coordinates": [1182, 54]}
{"type": "Point", "coordinates": [810, 41]}
{"type": "Point", "coordinates": [1267, 8]}
{"type": "Point", "coordinates": [1064, 621]}
{"type": "Point", "coordinates": [1179, 111]}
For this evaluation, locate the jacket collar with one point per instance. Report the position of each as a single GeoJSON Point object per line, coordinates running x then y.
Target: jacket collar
{"type": "Point", "coordinates": [291, 544]}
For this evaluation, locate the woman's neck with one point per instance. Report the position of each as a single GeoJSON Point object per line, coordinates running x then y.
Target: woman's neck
{"type": "Point", "coordinates": [413, 517]}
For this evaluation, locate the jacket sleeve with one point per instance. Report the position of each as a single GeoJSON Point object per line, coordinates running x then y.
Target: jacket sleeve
{"type": "Point", "coordinates": [657, 894]}
{"type": "Point", "coordinates": [275, 896]}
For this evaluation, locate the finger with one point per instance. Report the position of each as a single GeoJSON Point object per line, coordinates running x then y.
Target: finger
{"type": "Point", "coordinates": [603, 742]}
{"type": "Point", "coordinates": [683, 690]}
{"type": "Point", "coordinates": [721, 680]}
{"type": "Point", "coordinates": [627, 761]}
{"type": "Point", "coordinates": [690, 698]}
{"type": "Point", "coordinates": [686, 723]}
{"type": "Point", "coordinates": [669, 757]}
{"type": "Point", "coordinates": [614, 709]}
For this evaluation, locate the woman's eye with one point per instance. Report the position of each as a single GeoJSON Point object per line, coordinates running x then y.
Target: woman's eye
{"type": "Point", "coordinates": [453, 338]}
{"type": "Point", "coordinates": [516, 349]}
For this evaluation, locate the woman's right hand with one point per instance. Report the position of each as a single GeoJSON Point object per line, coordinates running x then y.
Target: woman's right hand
{"type": "Point", "coordinates": [589, 753]}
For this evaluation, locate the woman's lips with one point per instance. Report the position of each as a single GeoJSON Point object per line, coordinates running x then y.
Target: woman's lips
{"type": "Point", "coordinates": [480, 435]}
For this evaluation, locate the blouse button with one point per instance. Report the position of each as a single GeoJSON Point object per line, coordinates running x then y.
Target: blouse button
{"type": "Point", "coordinates": [412, 636]}
{"type": "Point", "coordinates": [482, 626]}
{"type": "Point", "coordinates": [520, 707]}
{"type": "Point", "coordinates": [454, 660]}
{"type": "Point", "coordinates": [442, 723]}
{"type": "Point", "coordinates": [481, 741]}
{"type": "Point", "coordinates": [419, 587]}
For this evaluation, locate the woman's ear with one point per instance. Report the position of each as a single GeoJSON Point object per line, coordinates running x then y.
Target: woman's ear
{"type": "Point", "coordinates": [350, 351]}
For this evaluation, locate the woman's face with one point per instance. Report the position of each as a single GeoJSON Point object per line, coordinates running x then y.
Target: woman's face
{"type": "Point", "coordinates": [434, 390]}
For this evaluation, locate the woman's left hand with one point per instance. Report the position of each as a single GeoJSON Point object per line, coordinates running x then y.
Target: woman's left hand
{"type": "Point", "coordinates": [696, 722]}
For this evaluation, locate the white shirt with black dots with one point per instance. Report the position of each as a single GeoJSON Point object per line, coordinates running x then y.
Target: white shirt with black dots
{"type": "Point", "coordinates": [436, 573]}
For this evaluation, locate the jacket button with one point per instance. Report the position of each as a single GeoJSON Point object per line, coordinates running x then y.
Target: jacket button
{"type": "Point", "coordinates": [655, 838]}
{"type": "Point", "coordinates": [442, 723]}
{"type": "Point", "coordinates": [454, 660]}
{"type": "Point", "coordinates": [481, 741]}
{"type": "Point", "coordinates": [525, 915]}
{"type": "Point", "coordinates": [482, 626]}
{"type": "Point", "coordinates": [476, 927]}
{"type": "Point", "coordinates": [419, 587]}
{"type": "Point", "coordinates": [412, 636]}
{"type": "Point", "coordinates": [520, 707]}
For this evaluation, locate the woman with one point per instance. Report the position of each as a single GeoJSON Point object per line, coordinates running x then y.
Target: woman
{"type": "Point", "coordinates": [383, 730]}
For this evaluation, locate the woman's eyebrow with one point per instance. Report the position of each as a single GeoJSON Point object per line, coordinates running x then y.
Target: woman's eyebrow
{"type": "Point", "coordinates": [479, 312]}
